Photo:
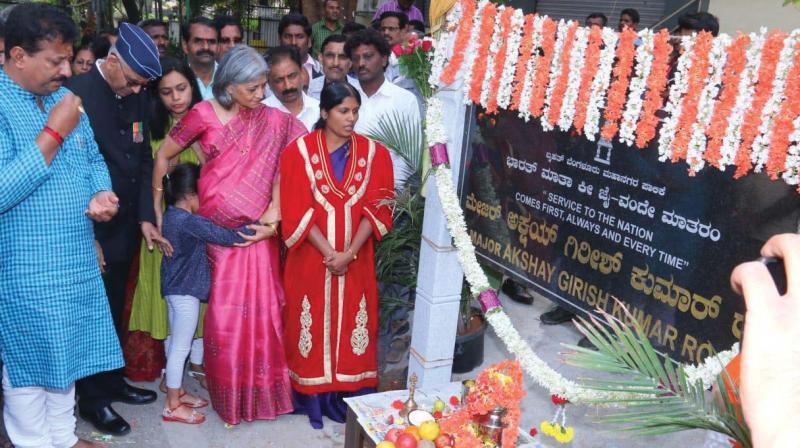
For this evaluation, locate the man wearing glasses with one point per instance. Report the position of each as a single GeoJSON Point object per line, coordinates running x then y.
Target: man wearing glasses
{"type": "Point", "coordinates": [230, 34]}
{"type": "Point", "coordinates": [116, 105]}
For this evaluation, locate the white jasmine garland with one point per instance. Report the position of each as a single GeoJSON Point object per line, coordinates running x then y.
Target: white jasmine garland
{"type": "Point", "coordinates": [527, 87]}
{"type": "Point", "coordinates": [435, 132]}
{"type": "Point", "coordinates": [600, 83]}
{"type": "Point", "coordinates": [514, 40]}
{"type": "Point", "coordinates": [673, 108]}
{"type": "Point", "coordinates": [706, 104]}
{"type": "Point", "coordinates": [638, 85]}
{"type": "Point", "coordinates": [791, 174]}
{"type": "Point", "coordinates": [733, 134]}
{"type": "Point", "coordinates": [760, 151]}
{"type": "Point", "coordinates": [494, 48]}
{"type": "Point", "coordinates": [458, 230]}
{"type": "Point", "coordinates": [472, 49]}
{"type": "Point", "coordinates": [710, 368]}
{"type": "Point", "coordinates": [442, 46]}
{"type": "Point", "coordinates": [555, 72]}
{"type": "Point", "coordinates": [576, 60]}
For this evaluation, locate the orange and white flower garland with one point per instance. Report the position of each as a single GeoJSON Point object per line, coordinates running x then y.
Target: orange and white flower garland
{"type": "Point", "coordinates": [726, 105]}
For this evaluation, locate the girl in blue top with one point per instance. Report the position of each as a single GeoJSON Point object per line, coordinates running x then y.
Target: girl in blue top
{"type": "Point", "coordinates": [185, 282]}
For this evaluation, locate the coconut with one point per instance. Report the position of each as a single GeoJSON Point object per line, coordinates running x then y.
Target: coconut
{"type": "Point", "coordinates": [419, 416]}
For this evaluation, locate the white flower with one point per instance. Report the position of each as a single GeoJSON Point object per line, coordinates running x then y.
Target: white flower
{"type": "Point", "coordinates": [760, 151]}
{"type": "Point", "coordinates": [555, 72]}
{"type": "Point", "coordinates": [710, 368]}
{"type": "Point", "coordinates": [435, 132]}
{"type": "Point", "coordinates": [442, 46]}
{"type": "Point", "coordinates": [673, 108]}
{"type": "Point", "coordinates": [576, 59]}
{"type": "Point", "coordinates": [494, 48]}
{"type": "Point", "coordinates": [705, 106]}
{"type": "Point", "coordinates": [505, 88]}
{"type": "Point", "coordinates": [597, 99]}
{"type": "Point", "coordinates": [791, 174]}
{"type": "Point", "coordinates": [472, 49]}
{"type": "Point", "coordinates": [733, 134]}
{"type": "Point", "coordinates": [638, 85]}
{"type": "Point", "coordinates": [527, 87]}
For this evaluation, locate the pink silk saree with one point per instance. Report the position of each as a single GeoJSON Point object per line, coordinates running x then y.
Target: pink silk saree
{"type": "Point", "coordinates": [245, 360]}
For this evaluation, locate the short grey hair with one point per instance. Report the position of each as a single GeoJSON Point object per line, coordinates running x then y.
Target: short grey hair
{"type": "Point", "coordinates": [241, 64]}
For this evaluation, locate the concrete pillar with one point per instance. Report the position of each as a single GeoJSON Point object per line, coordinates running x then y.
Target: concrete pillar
{"type": "Point", "coordinates": [440, 276]}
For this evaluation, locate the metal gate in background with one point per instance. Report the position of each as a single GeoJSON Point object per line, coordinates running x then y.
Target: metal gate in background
{"type": "Point", "coordinates": [262, 23]}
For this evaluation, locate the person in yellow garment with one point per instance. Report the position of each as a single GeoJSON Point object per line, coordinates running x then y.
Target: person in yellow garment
{"type": "Point", "coordinates": [174, 94]}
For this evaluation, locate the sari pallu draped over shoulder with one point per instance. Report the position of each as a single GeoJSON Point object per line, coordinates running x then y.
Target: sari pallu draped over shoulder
{"type": "Point", "coordinates": [245, 360]}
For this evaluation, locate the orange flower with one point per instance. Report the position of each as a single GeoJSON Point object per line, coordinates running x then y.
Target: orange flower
{"type": "Point", "coordinates": [783, 123]}
{"type": "Point", "coordinates": [484, 40]}
{"type": "Point", "coordinates": [656, 85]}
{"type": "Point", "coordinates": [462, 41]}
{"type": "Point", "coordinates": [718, 126]}
{"type": "Point", "coordinates": [541, 74]}
{"type": "Point", "coordinates": [560, 88]}
{"type": "Point", "coordinates": [752, 118]}
{"type": "Point", "coordinates": [522, 63]}
{"type": "Point", "coordinates": [615, 98]}
{"type": "Point", "coordinates": [698, 73]}
{"type": "Point", "coordinates": [500, 60]}
{"type": "Point", "coordinates": [590, 66]}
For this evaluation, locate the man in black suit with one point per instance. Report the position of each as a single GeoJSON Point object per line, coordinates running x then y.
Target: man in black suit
{"type": "Point", "coordinates": [117, 109]}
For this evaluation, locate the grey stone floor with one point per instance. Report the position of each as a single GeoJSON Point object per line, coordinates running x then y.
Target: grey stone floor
{"type": "Point", "coordinates": [293, 431]}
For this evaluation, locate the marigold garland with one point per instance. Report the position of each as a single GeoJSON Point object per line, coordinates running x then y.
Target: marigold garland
{"type": "Point", "coordinates": [752, 119]}
{"type": "Point", "coordinates": [784, 121]}
{"type": "Point", "coordinates": [461, 43]}
{"type": "Point", "coordinates": [560, 87]}
{"type": "Point", "coordinates": [698, 72]}
{"type": "Point", "coordinates": [626, 51]}
{"type": "Point", "coordinates": [500, 59]}
{"type": "Point", "coordinates": [482, 52]}
{"type": "Point", "coordinates": [643, 64]}
{"type": "Point", "coordinates": [499, 385]}
{"type": "Point", "coordinates": [656, 84]}
{"type": "Point", "coordinates": [541, 75]}
{"type": "Point", "coordinates": [590, 66]}
{"type": "Point", "coordinates": [526, 52]}
{"type": "Point", "coordinates": [734, 66]}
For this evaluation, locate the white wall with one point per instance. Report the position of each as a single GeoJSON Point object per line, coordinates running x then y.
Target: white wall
{"type": "Point", "coordinates": [750, 15]}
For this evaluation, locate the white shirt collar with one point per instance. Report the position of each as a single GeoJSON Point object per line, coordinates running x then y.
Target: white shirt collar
{"type": "Point", "coordinates": [308, 115]}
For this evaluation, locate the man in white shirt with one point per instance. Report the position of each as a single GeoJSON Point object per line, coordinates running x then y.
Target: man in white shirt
{"type": "Point", "coordinates": [394, 26]}
{"type": "Point", "coordinates": [295, 31]}
{"type": "Point", "coordinates": [285, 79]}
{"type": "Point", "coordinates": [369, 53]}
{"type": "Point", "coordinates": [335, 65]}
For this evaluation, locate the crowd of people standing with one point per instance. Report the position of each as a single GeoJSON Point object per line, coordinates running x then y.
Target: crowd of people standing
{"type": "Point", "coordinates": [236, 186]}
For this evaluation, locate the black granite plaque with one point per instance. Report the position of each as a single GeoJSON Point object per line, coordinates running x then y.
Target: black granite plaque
{"type": "Point", "coordinates": [586, 223]}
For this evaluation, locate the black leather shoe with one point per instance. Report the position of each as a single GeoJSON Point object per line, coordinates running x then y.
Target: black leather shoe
{"type": "Point", "coordinates": [515, 292]}
{"type": "Point", "coordinates": [585, 343]}
{"type": "Point", "coordinates": [134, 395]}
{"type": "Point", "coordinates": [556, 316]}
{"type": "Point", "coordinates": [106, 420]}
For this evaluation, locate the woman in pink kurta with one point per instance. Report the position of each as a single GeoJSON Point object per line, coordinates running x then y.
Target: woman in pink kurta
{"type": "Point", "coordinates": [244, 356]}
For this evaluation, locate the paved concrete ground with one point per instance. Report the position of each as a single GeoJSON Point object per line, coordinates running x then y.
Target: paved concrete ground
{"type": "Point", "coordinates": [294, 431]}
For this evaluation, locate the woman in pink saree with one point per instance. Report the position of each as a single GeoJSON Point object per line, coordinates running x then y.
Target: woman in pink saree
{"type": "Point", "coordinates": [241, 140]}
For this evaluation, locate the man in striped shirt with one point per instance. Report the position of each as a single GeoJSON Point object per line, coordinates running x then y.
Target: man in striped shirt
{"type": "Point", "coordinates": [327, 26]}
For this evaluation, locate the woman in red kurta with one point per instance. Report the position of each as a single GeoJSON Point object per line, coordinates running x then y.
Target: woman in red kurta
{"type": "Point", "coordinates": [336, 190]}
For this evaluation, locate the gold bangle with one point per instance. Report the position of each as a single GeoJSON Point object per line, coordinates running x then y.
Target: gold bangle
{"type": "Point", "coordinates": [157, 189]}
{"type": "Point", "coordinates": [355, 257]}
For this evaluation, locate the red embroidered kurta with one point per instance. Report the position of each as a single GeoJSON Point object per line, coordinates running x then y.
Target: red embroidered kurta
{"type": "Point", "coordinates": [331, 321]}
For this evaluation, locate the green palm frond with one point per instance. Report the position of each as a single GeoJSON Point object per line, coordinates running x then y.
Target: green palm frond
{"type": "Point", "coordinates": [400, 136]}
{"type": "Point", "coordinates": [665, 400]}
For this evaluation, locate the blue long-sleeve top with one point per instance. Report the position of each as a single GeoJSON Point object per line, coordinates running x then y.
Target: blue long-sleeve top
{"type": "Point", "coordinates": [187, 271]}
